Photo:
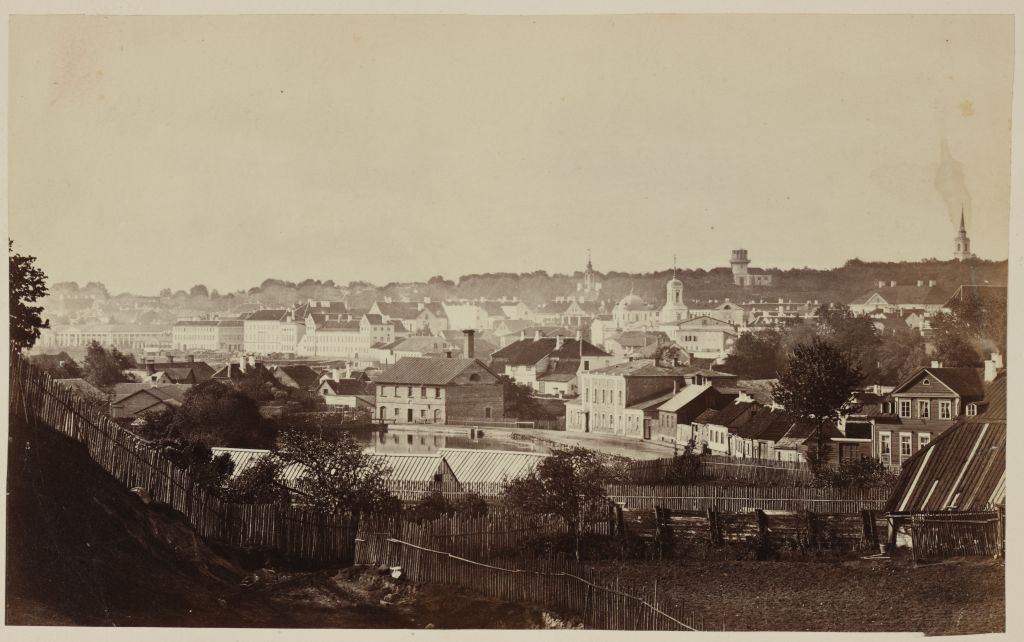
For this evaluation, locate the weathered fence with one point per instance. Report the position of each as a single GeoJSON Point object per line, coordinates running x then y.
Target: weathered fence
{"type": "Point", "coordinates": [293, 531]}
{"type": "Point", "coordinates": [556, 584]}
{"type": "Point", "coordinates": [720, 468]}
{"type": "Point", "coordinates": [746, 498]}
{"type": "Point", "coordinates": [955, 535]}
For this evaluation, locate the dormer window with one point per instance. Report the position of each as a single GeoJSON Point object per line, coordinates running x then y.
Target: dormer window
{"type": "Point", "coordinates": [926, 382]}
{"type": "Point", "coordinates": [972, 409]}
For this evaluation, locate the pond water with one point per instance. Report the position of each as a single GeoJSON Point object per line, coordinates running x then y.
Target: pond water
{"type": "Point", "coordinates": [426, 440]}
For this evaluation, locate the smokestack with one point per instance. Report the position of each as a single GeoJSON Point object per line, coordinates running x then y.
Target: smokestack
{"type": "Point", "coordinates": [242, 364]}
{"type": "Point", "coordinates": [469, 343]}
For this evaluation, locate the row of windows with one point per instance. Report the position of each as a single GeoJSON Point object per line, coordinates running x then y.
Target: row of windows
{"type": "Point", "coordinates": [905, 444]}
{"type": "Point", "coordinates": [396, 391]}
{"type": "Point", "coordinates": [924, 408]}
{"type": "Point", "coordinates": [606, 396]}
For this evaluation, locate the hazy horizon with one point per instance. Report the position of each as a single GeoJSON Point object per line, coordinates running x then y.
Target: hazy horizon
{"type": "Point", "coordinates": [153, 152]}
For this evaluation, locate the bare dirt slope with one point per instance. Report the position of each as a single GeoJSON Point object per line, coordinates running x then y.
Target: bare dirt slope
{"type": "Point", "coordinates": [82, 550]}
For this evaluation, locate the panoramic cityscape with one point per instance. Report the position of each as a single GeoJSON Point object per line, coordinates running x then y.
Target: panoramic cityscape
{"type": "Point", "coordinates": [506, 355]}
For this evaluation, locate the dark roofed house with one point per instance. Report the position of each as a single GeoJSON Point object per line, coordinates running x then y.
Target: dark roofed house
{"type": "Point", "coordinates": [438, 390]}
{"type": "Point", "coordinates": [298, 376]}
{"type": "Point", "coordinates": [893, 298]}
{"type": "Point", "coordinates": [350, 393]}
{"type": "Point", "coordinates": [924, 405]}
{"type": "Point", "coordinates": [549, 365]}
{"type": "Point", "coordinates": [146, 400]}
{"type": "Point", "coordinates": [963, 470]}
{"type": "Point", "coordinates": [675, 416]}
{"type": "Point", "coordinates": [187, 371]}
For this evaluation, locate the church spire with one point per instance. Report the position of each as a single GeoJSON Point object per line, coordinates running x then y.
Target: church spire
{"type": "Point", "coordinates": [590, 266]}
{"type": "Point", "coordinates": [963, 228]}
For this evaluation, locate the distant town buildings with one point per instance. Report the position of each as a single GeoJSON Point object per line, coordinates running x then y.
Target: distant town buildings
{"type": "Point", "coordinates": [747, 276]}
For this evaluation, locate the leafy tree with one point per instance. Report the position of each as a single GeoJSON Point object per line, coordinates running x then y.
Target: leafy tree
{"type": "Point", "coordinates": [855, 335]}
{"type": "Point", "coordinates": [103, 368]}
{"type": "Point", "coordinates": [199, 291]}
{"type": "Point", "coordinates": [817, 384]}
{"type": "Point", "coordinates": [861, 473]}
{"type": "Point", "coordinates": [197, 457]}
{"type": "Point", "coordinates": [951, 336]}
{"type": "Point", "coordinates": [338, 475]}
{"type": "Point", "coordinates": [67, 369]}
{"type": "Point", "coordinates": [900, 355]}
{"type": "Point", "coordinates": [220, 415]}
{"type": "Point", "coordinates": [668, 354]}
{"type": "Point", "coordinates": [258, 484]}
{"type": "Point", "coordinates": [520, 402]}
{"type": "Point", "coordinates": [756, 355]}
{"type": "Point", "coordinates": [568, 484]}
{"type": "Point", "coordinates": [27, 285]}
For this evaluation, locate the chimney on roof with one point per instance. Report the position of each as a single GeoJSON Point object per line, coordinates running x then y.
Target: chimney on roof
{"type": "Point", "coordinates": [336, 374]}
{"type": "Point", "coordinates": [892, 284]}
{"type": "Point", "coordinates": [558, 342]}
{"type": "Point", "coordinates": [920, 283]}
{"type": "Point", "coordinates": [229, 370]}
{"type": "Point", "coordinates": [881, 284]}
{"type": "Point", "coordinates": [170, 358]}
{"type": "Point", "coordinates": [468, 343]}
{"type": "Point", "coordinates": [150, 368]}
{"type": "Point", "coordinates": [579, 335]}
{"type": "Point", "coordinates": [522, 335]}
{"type": "Point", "coordinates": [931, 283]}
{"type": "Point", "coordinates": [536, 335]}
{"type": "Point", "coordinates": [992, 366]}
{"type": "Point", "coordinates": [936, 364]}
{"type": "Point", "coordinates": [242, 363]}
{"type": "Point", "coordinates": [191, 358]}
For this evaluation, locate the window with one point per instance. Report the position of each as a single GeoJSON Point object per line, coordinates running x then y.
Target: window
{"type": "Point", "coordinates": [945, 410]}
{"type": "Point", "coordinates": [474, 377]}
{"type": "Point", "coordinates": [487, 412]}
{"type": "Point", "coordinates": [885, 447]}
{"type": "Point", "coordinates": [924, 409]}
{"type": "Point", "coordinates": [437, 416]}
{"type": "Point", "coordinates": [382, 411]}
{"type": "Point", "coordinates": [408, 439]}
{"type": "Point", "coordinates": [904, 445]}
{"type": "Point", "coordinates": [423, 414]}
{"type": "Point", "coordinates": [926, 382]}
{"type": "Point", "coordinates": [603, 395]}
{"type": "Point", "coordinates": [397, 412]}
{"type": "Point", "coordinates": [437, 393]}
{"type": "Point", "coordinates": [904, 407]}
{"type": "Point", "coordinates": [586, 365]}
{"type": "Point", "coordinates": [972, 409]}
{"type": "Point", "coordinates": [586, 395]}
{"type": "Point", "coordinates": [922, 439]}
{"type": "Point", "coordinates": [620, 397]}
{"type": "Point", "coordinates": [383, 391]}
{"type": "Point", "coordinates": [423, 391]}
{"type": "Point", "coordinates": [408, 391]}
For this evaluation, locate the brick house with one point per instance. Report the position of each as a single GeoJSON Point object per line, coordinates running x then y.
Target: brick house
{"type": "Point", "coordinates": [433, 391]}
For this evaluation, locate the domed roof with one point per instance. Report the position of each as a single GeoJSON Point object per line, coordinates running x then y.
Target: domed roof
{"type": "Point", "coordinates": [632, 302]}
{"type": "Point", "coordinates": [674, 281]}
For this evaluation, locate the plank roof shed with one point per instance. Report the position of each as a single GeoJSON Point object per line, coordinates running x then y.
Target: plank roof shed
{"type": "Point", "coordinates": [493, 466]}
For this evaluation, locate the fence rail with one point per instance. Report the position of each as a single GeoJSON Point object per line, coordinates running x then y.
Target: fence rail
{"type": "Point", "coordinates": [296, 532]}
{"type": "Point", "coordinates": [746, 498]}
{"type": "Point", "coordinates": [939, 536]}
{"type": "Point", "coordinates": [720, 468]}
{"type": "Point", "coordinates": [598, 604]}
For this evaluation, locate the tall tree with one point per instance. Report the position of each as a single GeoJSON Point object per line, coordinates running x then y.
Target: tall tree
{"type": "Point", "coordinates": [568, 484]}
{"type": "Point", "coordinates": [104, 368]}
{"type": "Point", "coordinates": [219, 415]}
{"type": "Point", "coordinates": [952, 337]}
{"type": "Point", "coordinates": [900, 355]}
{"type": "Point", "coordinates": [817, 384]}
{"type": "Point", "coordinates": [756, 355]}
{"type": "Point", "coordinates": [27, 285]}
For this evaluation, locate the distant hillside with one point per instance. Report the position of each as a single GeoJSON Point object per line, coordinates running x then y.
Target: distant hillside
{"type": "Point", "coordinates": [840, 284]}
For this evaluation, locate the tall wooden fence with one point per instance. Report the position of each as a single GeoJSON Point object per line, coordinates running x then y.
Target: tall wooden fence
{"type": "Point", "coordinates": [956, 535]}
{"type": "Point", "coordinates": [727, 469]}
{"type": "Point", "coordinates": [556, 584]}
{"type": "Point", "coordinates": [747, 498]}
{"type": "Point", "coordinates": [295, 532]}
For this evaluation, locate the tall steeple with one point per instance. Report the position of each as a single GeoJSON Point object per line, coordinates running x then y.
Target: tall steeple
{"type": "Point", "coordinates": [962, 244]}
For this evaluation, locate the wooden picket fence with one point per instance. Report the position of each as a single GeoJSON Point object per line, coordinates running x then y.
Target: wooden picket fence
{"type": "Point", "coordinates": [747, 498]}
{"type": "Point", "coordinates": [957, 534]}
{"type": "Point", "coordinates": [725, 469]}
{"type": "Point", "coordinates": [293, 531]}
{"type": "Point", "coordinates": [561, 585]}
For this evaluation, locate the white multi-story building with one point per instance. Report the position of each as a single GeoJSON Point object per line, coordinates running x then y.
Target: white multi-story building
{"type": "Point", "coordinates": [223, 335]}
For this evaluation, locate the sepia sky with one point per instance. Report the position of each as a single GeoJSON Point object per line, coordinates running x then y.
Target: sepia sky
{"type": "Point", "coordinates": [151, 152]}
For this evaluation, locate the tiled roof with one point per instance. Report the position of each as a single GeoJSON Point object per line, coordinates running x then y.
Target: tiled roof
{"type": "Point", "coordinates": [303, 376]}
{"type": "Point", "coordinates": [644, 368]}
{"type": "Point", "coordinates": [472, 465]}
{"type": "Point", "coordinates": [426, 371]}
{"type": "Point", "coordinates": [527, 352]}
{"type": "Point", "coordinates": [964, 468]}
{"type": "Point", "coordinates": [345, 386]}
{"type": "Point", "coordinates": [907, 295]}
{"type": "Point", "coordinates": [268, 315]}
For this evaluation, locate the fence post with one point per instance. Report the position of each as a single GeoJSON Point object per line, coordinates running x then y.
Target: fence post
{"type": "Point", "coordinates": [714, 528]}
{"type": "Point", "coordinates": [870, 533]}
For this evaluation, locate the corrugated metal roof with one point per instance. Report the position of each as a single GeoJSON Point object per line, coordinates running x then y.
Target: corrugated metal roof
{"type": "Point", "coordinates": [416, 468]}
{"type": "Point", "coordinates": [963, 469]}
{"type": "Point", "coordinates": [471, 465]}
{"type": "Point", "coordinates": [245, 458]}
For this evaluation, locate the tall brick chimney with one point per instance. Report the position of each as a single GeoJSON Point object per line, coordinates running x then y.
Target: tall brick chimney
{"type": "Point", "coordinates": [468, 343]}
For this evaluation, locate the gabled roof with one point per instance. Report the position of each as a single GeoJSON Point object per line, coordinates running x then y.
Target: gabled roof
{"type": "Point", "coordinates": [966, 382]}
{"type": "Point", "coordinates": [399, 310]}
{"type": "Point", "coordinates": [653, 402]}
{"type": "Point", "coordinates": [640, 338]}
{"type": "Point", "coordinates": [121, 390]}
{"type": "Point", "coordinates": [423, 345]}
{"type": "Point", "coordinates": [427, 371]}
{"type": "Point", "coordinates": [171, 394]}
{"type": "Point", "coordinates": [304, 376]}
{"type": "Point", "coordinates": [683, 397]}
{"type": "Point", "coordinates": [963, 469]}
{"type": "Point", "coordinates": [82, 387]}
{"type": "Point", "coordinates": [527, 352]}
{"type": "Point", "coordinates": [345, 387]}
{"type": "Point", "coordinates": [906, 295]}
{"type": "Point", "coordinates": [471, 465]}
{"type": "Point", "coordinates": [374, 319]}
{"type": "Point", "coordinates": [644, 368]}
{"type": "Point", "coordinates": [267, 315]}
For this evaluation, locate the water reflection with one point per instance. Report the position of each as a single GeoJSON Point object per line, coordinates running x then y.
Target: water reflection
{"type": "Point", "coordinates": [427, 441]}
